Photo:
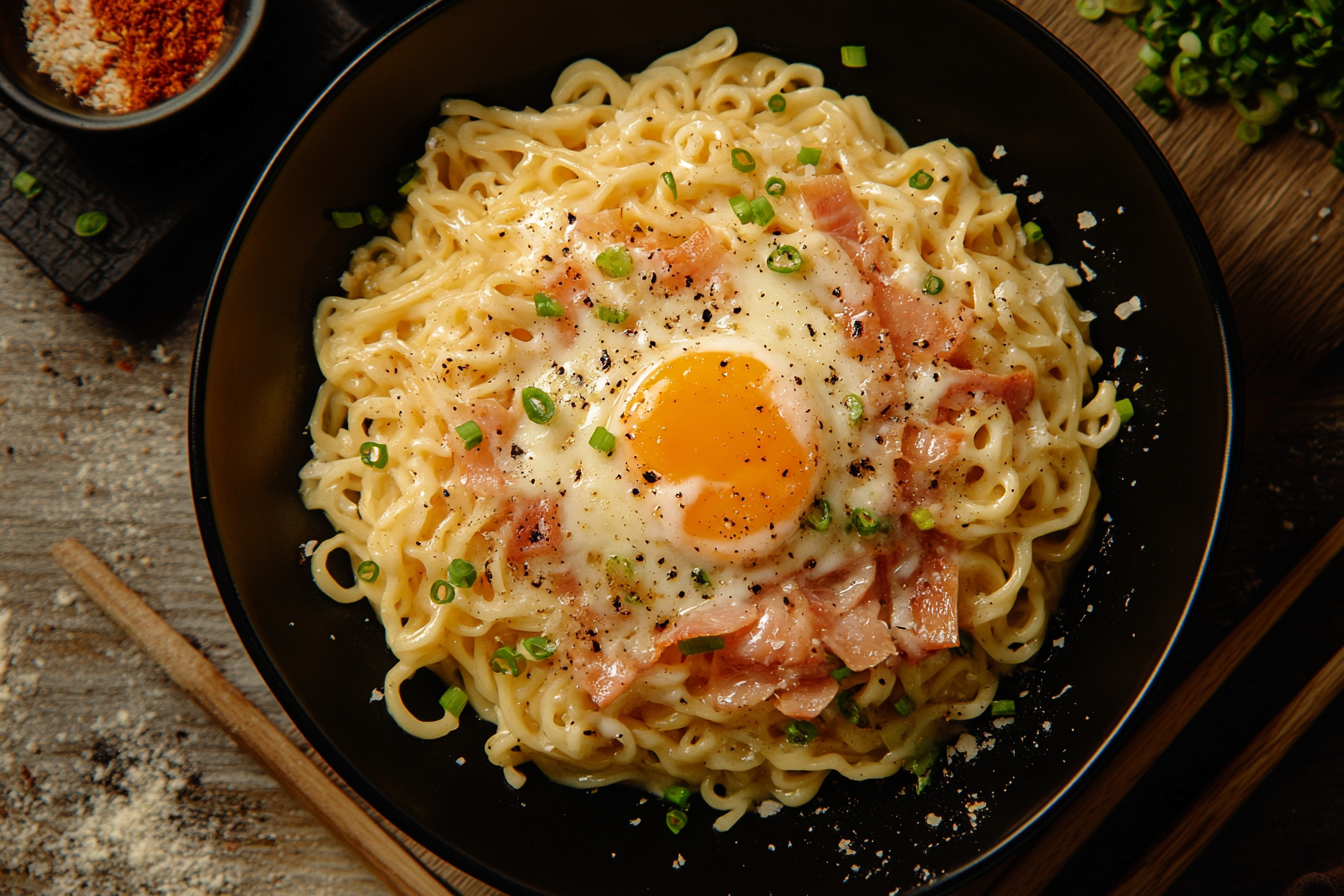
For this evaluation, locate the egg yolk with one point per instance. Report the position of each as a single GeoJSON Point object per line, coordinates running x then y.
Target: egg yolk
{"type": "Point", "coordinates": [709, 420]}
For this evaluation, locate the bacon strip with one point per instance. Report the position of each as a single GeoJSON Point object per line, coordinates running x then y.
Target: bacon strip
{"type": "Point", "coordinates": [534, 531]}
{"type": "Point", "coordinates": [924, 612]}
{"type": "Point", "coordinates": [477, 467]}
{"type": "Point", "coordinates": [974, 388]}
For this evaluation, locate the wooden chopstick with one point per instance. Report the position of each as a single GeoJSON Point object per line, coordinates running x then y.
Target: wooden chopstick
{"type": "Point", "coordinates": [1037, 866]}
{"type": "Point", "coordinates": [1168, 858]}
{"type": "Point", "coordinates": [247, 725]}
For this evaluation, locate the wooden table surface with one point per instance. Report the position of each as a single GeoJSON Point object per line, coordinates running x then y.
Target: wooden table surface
{"type": "Point", "coordinates": [112, 781]}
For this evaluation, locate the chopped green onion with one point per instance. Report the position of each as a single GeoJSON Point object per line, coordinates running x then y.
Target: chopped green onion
{"type": "Point", "coordinates": [800, 734]}
{"type": "Point", "coordinates": [547, 306]}
{"type": "Point", "coordinates": [784, 260]}
{"type": "Point", "coordinates": [1193, 83]}
{"type": "Point", "coordinates": [701, 579]}
{"type": "Point", "coordinates": [921, 180]}
{"type": "Point", "coordinates": [842, 673]}
{"type": "Point", "coordinates": [26, 184]}
{"type": "Point", "coordinates": [611, 314]}
{"type": "Point", "coordinates": [1150, 56]}
{"type": "Point", "coordinates": [615, 262]}
{"type": "Point", "coordinates": [854, 409]}
{"type": "Point", "coordinates": [678, 795]}
{"type": "Point", "coordinates": [1337, 155]}
{"type": "Point", "coordinates": [1190, 44]}
{"type": "Point", "coordinates": [346, 220]}
{"type": "Point", "coordinates": [742, 208]}
{"type": "Point", "coordinates": [1309, 125]}
{"type": "Point", "coordinates": [819, 517]}
{"type": "Point", "coordinates": [762, 211]}
{"type": "Point", "coordinates": [742, 160]}
{"type": "Point", "coordinates": [1032, 231]}
{"type": "Point", "coordinates": [923, 782]}
{"type": "Point", "coordinates": [923, 519]}
{"type": "Point", "coordinates": [920, 764]}
{"type": "Point", "coordinates": [775, 187]}
{"type": "Point", "coordinates": [866, 523]}
{"type": "Point", "coordinates": [506, 656]}
{"type": "Point", "coordinates": [776, 103]}
{"type": "Point", "coordinates": [461, 573]}
{"type": "Point", "coordinates": [707, 644]}
{"type": "Point", "coordinates": [1250, 133]}
{"type": "Point", "coordinates": [1003, 708]}
{"type": "Point", "coordinates": [367, 571]}
{"type": "Point", "coordinates": [376, 216]}
{"type": "Point", "coordinates": [471, 434]}
{"type": "Point", "coordinates": [407, 172]}
{"type": "Point", "coordinates": [1090, 9]}
{"type": "Point", "coordinates": [373, 455]}
{"type": "Point", "coordinates": [539, 648]}
{"type": "Point", "coordinates": [1125, 408]}
{"type": "Point", "coordinates": [619, 568]}
{"type": "Point", "coordinates": [92, 223]}
{"type": "Point", "coordinates": [603, 441]}
{"type": "Point", "coordinates": [671, 184]}
{"type": "Point", "coordinates": [809, 156]}
{"type": "Point", "coordinates": [905, 705]}
{"type": "Point", "coordinates": [1153, 91]}
{"type": "Point", "coordinates": [853, 713]}
{"type": "Point", "coordinates": [676, 820]}
{"type": "Point", "coordinates": [441, 592]}
{"type": "Point", "coordinates": [406, 188]}
{"type": "Point", "coordinates": [538, 406]}
{"type": "Point", "coordinates": [1224, 42]}
{"type": "Point", "coordinates": [966, 645]}
{"type": "Point", "coordinates": [853, 57]}
{"type": "Point", "coordinates": [1265, 26]}
{"type": "Point", "coordinates": [933, 284]}
{"type": "Point", "coordinates": [454, 700]}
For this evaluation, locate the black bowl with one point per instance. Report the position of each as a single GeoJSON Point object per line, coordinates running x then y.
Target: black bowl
{"type": "Point", "coordinates": [980, 73]}
{"type": "Point", "coordinates": [43, 97]}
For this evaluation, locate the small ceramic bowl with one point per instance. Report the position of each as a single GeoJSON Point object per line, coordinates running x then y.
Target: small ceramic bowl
{"type": "Point", "coordinates": [38, 94]}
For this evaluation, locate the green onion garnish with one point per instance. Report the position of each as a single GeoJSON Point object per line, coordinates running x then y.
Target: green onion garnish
{"type": "Point", "coordinates": [547, 306]}
{"type": "Point", "coordinates": [1150, 56]}
{"type": "Point", "coordinates": [853, 57]}
{"type": "Point", "coordinates": [1125, 408]}
{"type": "Point", "coordinates": [707, 644]}
{"type": "Point", "coordinates": [676, 820]}
{"type": "Point", "coordinates": [866, 523]}
{"type": "Point", "coordinates": [905, 705]}
{"type": "Point", "coordinates": [1032, 231]}
{"type": "Point", "coordinates": [784, 260]}
{"type": "Point", "coordinates": [603, 441]}
{"type": "Point", "coordinates": [1153, 91]}
{"type": "Point", "coordinates": [461, 573]}
{"type": "Point", "coordinates": [407, 172]}
{"type": "Point", "coordinates": [346, 220]}
{"type": "Point", "coordinates": [454, 700]}
{"type": "Point", "coordinates": [854, 409]}
{"type": "Point", "coordinates": [615, 262]}
{"type": "Point", "coordinates": [933, 284]}
{"type": "Point", "coordinates": [775, 187]}
{"type": "Point", "coordinates": [921, 764]}
{"type": "Point", "coordinates": [819, 517]}
{"type": "Point", "coordinates": [373, 455]}
{"type": "Point", "coordinates": [611, 314]}
{"type": "Point", "coordinates": [1090, 9]}
{"type": "Point", "coordinates": [965, 646]}
{"type": "Point", "coordinates": [1250, 133]}
{"type": "Point", "coordinates": [90, 224]}
{"type": "Point", "coordinates": [701, 579]}
{"type": "Point", "coordinates": [26, 184]}
{"type": "Point", "coordinates": [742, 208]}
{"type": "Point", "coordinates": [923, 519]}
{"type": "Point", "coordinates": [921, 180]}
{"type": "Point", "coordinates": [678, 795]}
{"type": "Point", "coordinates": [853, 713]}
{"type": "Point", "coordinates": [376, 216]}
{"type": "Point", "coordinates": [1003, 708]}
{"type": "Point", "coordinates": [742, 160]}
{"type": "Point", "coordinates": [539, 648]}
{"type": "Point", "coordinates": [1223, 42]}
{"type": "Point", "coordinates": [809, 156]}
{"type": "Point", "coordinates": [441, 592]}
{"type": "Point", "coordinates": [671, 184]}
{"type": "Point", "coordinates": [538, 406]}
{"type": "Point", "coordinates": [367, 571]}
{"type": "Point", "coordinates": [800, 734]}
{"type": "Point", "coordinates": [620, 569]}
{"type": "Point", "coordinates": [506, 656]}
{"type": "Point", "coordinates": [842, 673]}
{"type": "Point", "coordinates": [471, 434]}
{"type": "Point", "coordinates": [776, 103]}
{"type": "Point", "coordinates": [762, 211]}
{"type": "Point", "coordinates": [406, 188]}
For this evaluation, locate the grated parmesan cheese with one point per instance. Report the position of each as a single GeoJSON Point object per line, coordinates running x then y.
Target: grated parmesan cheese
{"type": "Point", "coordinates": [1125, 309]}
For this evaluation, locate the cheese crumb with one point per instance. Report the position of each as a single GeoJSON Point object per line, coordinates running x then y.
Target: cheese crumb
{"type": "Point", "coordinates": [634, 822]}
{"type": "Point", "coordinates": [999, 151]}
{"type": "Point", "coordinates": [1125, 309]}
{"type": "Point", "coordinates": [1323, 213]}
{"type": "Point", "coordinates": [1087, 317]}
{"type": "Point", "coordinates": [768, 808]}
{"type": "Point", "coordinates": [375, 696]}
{"type": "Point", "coordinates": [461, 760]}
{"type": "Point", "coordinates": [1089, 273]}
{"type": "Point", "coordinates": [933, 820]}
{"type": "Point", "coordinates": [1021, 181]}
{"type": "Point", "coordinates": [1086, 220]}
{"type": "Point", "coordinates": [967, 746]}
{"type": "Point", "coordinates": [1117, 356]}
{"type": "Point", "coordinates": [679, 861]}
{"type": "Point", "coordinates": [1034, 198]}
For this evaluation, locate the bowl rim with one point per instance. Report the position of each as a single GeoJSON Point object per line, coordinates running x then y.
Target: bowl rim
{"type": "Point", "coordinates": [101, 121]}
{"type": "Point", "coordinates": [1206, 265]}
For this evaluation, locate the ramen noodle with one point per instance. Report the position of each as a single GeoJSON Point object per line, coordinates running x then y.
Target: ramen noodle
{"type": "Point", "coordinates": [700, 432]}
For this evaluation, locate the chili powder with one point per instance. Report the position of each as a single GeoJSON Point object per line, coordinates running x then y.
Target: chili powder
{"type": "Point", "coordinates": [162, 45]}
